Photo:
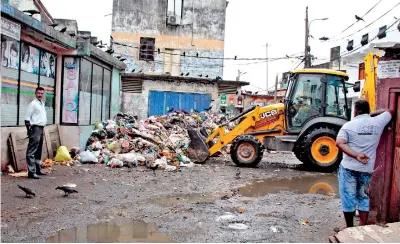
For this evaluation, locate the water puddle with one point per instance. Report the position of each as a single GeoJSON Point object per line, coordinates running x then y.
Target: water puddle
{"type": "Point", "coordinates": [185, 198]}
{"type": "Point", "coordinates": [322, 184]}
{"type": "Point", "coordinates": [113, 231]}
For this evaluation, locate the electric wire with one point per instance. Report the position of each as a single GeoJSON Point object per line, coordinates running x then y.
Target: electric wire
{"type": "Point", "coordinates": [373, 7]}
{"type": "Point", "coordinates": [387, 12]}
{"type": "Point", "coordinates": [361, 46]}
{"type": "Point", "coordinates": [202, 57]}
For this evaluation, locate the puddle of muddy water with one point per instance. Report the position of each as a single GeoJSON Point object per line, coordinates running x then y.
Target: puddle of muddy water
{"type": "Point", "coordinates": [322, 184]}
{"type": "Point", "coordinates": [185, 198]}
{"type": "Point", "coordinates": [113, 231]}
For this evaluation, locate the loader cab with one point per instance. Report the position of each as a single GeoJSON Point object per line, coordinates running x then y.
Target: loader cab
{"type": "Point", "coordinates": [315, 93]}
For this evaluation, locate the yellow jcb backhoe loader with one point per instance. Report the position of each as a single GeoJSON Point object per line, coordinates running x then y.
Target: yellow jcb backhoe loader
{"type": "Point", "coordinates": [307, 122]}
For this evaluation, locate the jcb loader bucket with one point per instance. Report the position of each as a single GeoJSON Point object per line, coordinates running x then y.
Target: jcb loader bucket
{"type": "Point", "coordinates": [198, 150]}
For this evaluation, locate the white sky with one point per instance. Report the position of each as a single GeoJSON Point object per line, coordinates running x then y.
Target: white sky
{"type": "Point", "coordinates": [250, 24]}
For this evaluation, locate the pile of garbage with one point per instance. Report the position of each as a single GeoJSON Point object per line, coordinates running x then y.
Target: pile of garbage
{"type": "Point", "coordinates": [158, 142]}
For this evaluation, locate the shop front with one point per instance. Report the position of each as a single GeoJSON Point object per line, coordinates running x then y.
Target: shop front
{"type": "Point", "coordinates": [81, 82]}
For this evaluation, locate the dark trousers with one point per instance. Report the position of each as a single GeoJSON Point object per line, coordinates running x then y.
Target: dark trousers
{"type": "Point", "coordinates": [34, 150]}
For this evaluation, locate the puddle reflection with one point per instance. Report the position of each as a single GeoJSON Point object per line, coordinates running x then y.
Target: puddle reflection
{"type": "Point", "coordinates": [323, 184]}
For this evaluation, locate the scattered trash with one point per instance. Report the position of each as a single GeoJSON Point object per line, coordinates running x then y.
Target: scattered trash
{"type": "Point", "coordinates": [62, 154]}
{"type": "Point", "coordinates": [88, 157]}
{"type": "Point", "coordinates": [20, 174]}
{"type": "Point", "coordinates": [238, 226]}
{"type": "Point", "coordinates": [47, 163]}
{"type": "Point", "coordinates": [274, 229]}
{"type": "Point", "coordinates": [70, 185]}
{"type": "Point", "coordinates": [74, 152]}
{"type": "Point", "coordinates": [10, 169]}
{"type": "Point", "coordinates": [227, 217]}
{"type": "Point", "coordinates": [239, 210]}
{"type": "Point", "coordinates": [158, 143]}
{"type": "Point", "coordinates": [304, 222]}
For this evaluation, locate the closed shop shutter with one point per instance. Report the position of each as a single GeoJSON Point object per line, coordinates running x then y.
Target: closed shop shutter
{"type": "Point", "coordinates": [160, 102]}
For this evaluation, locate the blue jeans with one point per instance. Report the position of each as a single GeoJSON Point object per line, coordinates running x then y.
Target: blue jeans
{"type": "Point", "coordinates": [353, 189]}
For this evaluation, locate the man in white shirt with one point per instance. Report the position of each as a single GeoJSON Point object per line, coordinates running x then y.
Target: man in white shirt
{"type": "Point", "coordinates": [35, 120]}
{"type": "Point", "coordinates": [359, 139]}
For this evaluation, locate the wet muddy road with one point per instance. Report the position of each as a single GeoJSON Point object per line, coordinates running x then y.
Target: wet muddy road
{"type": "Point", "coordinates": [213, 202]}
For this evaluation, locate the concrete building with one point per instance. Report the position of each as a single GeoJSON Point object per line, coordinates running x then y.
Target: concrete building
{"type": "Point", "coordinates": [81, 82]}
{"type": "Point", "coordinates": [170, 36]}
{"type": "Point", "coordinates": [147, 95]}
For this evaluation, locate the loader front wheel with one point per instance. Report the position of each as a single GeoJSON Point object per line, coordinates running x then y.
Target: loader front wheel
{"type": "Point", "coordinates": [321, 152]}
{"type": "Point", "coordinates": [246, 151]}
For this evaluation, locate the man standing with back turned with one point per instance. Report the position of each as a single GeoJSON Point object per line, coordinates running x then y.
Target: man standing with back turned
{"type": "Point", "coordinates": [359, 139]}
{"type": "Point", "coordinates": [35, 120]}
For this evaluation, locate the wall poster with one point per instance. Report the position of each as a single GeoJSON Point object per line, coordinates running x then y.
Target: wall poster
{"type": "Point", "coordinates": [47, 64]}
{"type": "Point", "coordinates": [9, 53]}
{"type": "Point", "coordinates": [70, 91]}
{"type": "Point", "coordinates": [29, 59]}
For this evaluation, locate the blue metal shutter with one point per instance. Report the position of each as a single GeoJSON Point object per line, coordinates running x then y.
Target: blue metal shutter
{"type": "Point", "coordinates": [156, 103]}
{"type": "Point", "coordinates": [171, 101]}
{"type": "Point", "coordinates": [187, 101]}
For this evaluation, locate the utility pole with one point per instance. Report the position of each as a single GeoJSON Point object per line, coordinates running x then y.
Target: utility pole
{"type": "Point", "coordinates": [307, 61]}
{"type": "Point", "coordinates": [276, 88]}
{"type": "Point", "coordinates": [266, 48]}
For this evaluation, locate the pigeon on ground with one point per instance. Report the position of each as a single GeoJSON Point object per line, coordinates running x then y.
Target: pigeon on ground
{"type": "Point", "coordinates": [27, 191]}
{"type": "Point", "coordinates": [152, 167]}
{"type": "Point", "coordinates": [238, 173]}
{"type": "Point", "coordinates": [63, 30]}
{"type": "Point", "coordinates": [358, 18]}
{"type": "Point", "coordinates": [66, 189]}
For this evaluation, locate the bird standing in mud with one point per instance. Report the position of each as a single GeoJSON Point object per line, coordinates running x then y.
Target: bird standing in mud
{"type": "Point", "coordinates": [238, 174]}
{"type": "Point", "coordinates": [27, 191]}
{"type": "Point", "coordinates": [67, 190]}
{"type": "Point", "coordinates": [152, 167]}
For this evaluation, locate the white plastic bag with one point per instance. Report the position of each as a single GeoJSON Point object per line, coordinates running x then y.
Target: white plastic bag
{"type": "Point", "coordinates": [162, 163]}
{"type": "Point", "coordinates": [128, 157]}
{"type": "Point", "coordinates": [170, 168]}
{"type": "Point", "coordinates": [88, 157]}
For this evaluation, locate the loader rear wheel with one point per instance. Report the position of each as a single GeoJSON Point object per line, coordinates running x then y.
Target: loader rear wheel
{"type": "Point", "coordinates": [246, 151]}
{"type": "Point", "coordinates": [320, 151]}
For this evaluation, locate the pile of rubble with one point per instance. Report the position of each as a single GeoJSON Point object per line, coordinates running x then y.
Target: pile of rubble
{"type": "Point", "coordinates": [159, 142]}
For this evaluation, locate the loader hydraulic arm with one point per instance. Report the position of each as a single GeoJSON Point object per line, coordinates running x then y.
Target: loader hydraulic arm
{"type": "Point", "coordinates": [227, 138]}
{"type": "Point", "coordinates": [368, 92]}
